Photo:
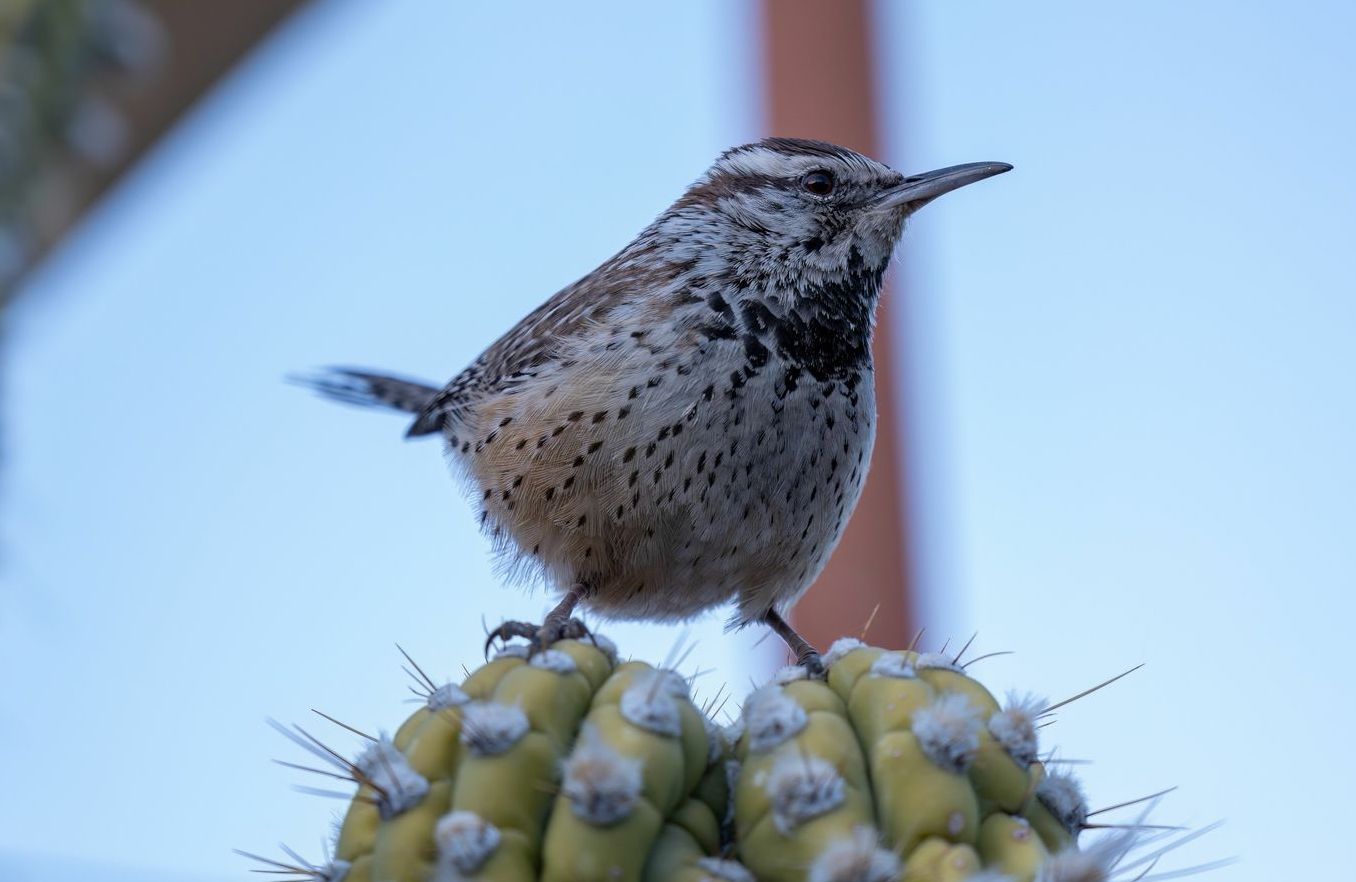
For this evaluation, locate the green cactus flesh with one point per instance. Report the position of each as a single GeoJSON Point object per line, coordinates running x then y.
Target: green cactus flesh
{"type": "Point", "coordinates": [566, 767]}
{"type": "Point", "coordinates": [899, 767]}
{"type": "Point", "coordinates": [572, 767]}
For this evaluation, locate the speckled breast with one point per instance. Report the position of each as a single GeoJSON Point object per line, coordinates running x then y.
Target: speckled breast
{"type": "Point", "coordinates": [670, 484]}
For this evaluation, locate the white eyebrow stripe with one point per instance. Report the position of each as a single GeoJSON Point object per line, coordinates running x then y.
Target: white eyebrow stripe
{"type": "Point", "coordinates": [758, 160]}
{"type": "Point", "coordinates": [762, 161]}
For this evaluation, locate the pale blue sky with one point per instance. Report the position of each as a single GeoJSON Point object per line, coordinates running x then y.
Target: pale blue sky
{"type": "Point", "coordinates": [1134, 358]}
{"type": "Point", "coordinates": [1131, 357]}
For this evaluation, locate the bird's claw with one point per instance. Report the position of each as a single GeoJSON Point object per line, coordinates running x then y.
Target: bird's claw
{"type": "Point", "coordinates": [539, 637]}
{"type": "Point", "coordinates": [813, 665]}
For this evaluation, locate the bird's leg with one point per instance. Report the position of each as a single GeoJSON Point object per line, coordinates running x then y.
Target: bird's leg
{"type": "Point", "coordinates": [806, 655]}
{"type": "Point", "coordinates": [559, 624]}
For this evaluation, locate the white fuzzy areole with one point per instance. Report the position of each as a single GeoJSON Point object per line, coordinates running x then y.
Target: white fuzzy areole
{"type": "Point", "coordinates": [894, 664]}
{"type": "Point", "coordinates": [488, 728]}
{"type": "Point", "coordinates": [720, 870]}
{"type": "Point", "coordinates": [937, 661]}
{"type": "Point", "coordinates": [650, 702]}
{"type": "Point", "coordinates": [553, 660]}
{"type": "Point", "coordinates": [790, 674]}
{"type": "Point", "coordinates": [1062, 794]}
{"type": "Point", "coordinates": [1014, 727]}
{"type": "Point", "coordinates": [771, 717]}
{"type": "Point", "coordinates": [605, 645]}
{"type": "Point", "coordinates": [602, 785]}
{"type": "Point", "coordinates": [948, 731]}
{"type": "Point", "coordinates": [858, 858]}
{"type": "Point", "coordinates": [801, 788]}
{"type": "Point", "coordinates": [399, 786]}
{"type": "Point", "coordinates": [675, 683]}
{"type": "Point", "coordinates": [445, 697]}
{"type": "Point", "coordinates": [840, 648]}
{"type": "Point", "coordinates": [465, 842]}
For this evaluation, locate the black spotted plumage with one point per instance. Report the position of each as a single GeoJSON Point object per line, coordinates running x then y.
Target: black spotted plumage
{"type": "Point", "coordinates": [675, 429]}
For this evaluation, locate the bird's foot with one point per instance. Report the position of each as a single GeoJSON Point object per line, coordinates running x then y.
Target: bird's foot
{"type": "Point", "coordinates": [539, 637]}
{"type": "Point", "coordinates": [806, 655]}
{"type": "Point", "coordinates": [813, 665]}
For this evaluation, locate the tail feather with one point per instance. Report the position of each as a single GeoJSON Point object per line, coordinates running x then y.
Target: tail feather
{"type": "Point", "coordinates": [369, 390]}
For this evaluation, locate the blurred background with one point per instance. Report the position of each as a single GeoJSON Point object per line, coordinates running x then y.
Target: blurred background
{"type": "Point", "coordinates": [1118, 381]}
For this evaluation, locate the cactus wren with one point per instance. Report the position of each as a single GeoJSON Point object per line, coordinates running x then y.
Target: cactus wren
{"type": "Point", "coordinates": [691, 422]}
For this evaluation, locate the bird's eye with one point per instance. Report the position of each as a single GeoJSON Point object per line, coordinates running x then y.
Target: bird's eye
{"type": "Point", "coordinates": [818, 182]}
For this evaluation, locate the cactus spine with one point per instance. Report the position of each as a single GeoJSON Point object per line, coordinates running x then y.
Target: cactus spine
{"type": "Point", "coordinates": [571, 767]}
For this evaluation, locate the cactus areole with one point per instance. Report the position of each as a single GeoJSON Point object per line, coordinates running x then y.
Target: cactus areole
{"type": "Point", "coordinates": [573, 766]}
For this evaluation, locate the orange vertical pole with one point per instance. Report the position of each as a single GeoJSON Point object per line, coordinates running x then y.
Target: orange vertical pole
{"type": "Point", "coordinates": [819, 82]}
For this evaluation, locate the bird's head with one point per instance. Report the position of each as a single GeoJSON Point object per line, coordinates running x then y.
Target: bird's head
{"type": "Point", "coordinates": [808, 208]}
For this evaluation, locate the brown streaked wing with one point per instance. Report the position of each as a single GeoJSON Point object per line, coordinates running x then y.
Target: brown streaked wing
{"type": "Point", "coordinates": [535, 339]}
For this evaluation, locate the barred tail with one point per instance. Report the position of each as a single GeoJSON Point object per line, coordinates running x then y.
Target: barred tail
{"type": "Point", "coordinates": [365, 389]}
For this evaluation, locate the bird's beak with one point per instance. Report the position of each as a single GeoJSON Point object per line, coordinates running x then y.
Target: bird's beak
{"type": "Point", "coordinates": [918, 190]}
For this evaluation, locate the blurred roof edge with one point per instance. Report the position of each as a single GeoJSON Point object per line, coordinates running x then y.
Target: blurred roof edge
{"type": "Point", "coordinates": [87, 87]}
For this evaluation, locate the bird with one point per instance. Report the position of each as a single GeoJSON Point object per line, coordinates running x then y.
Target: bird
{"type": "Point", "coordinates": [690, 424]}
